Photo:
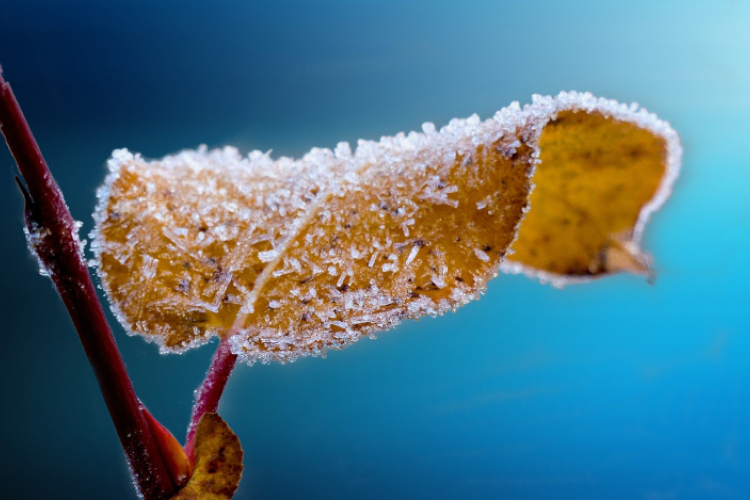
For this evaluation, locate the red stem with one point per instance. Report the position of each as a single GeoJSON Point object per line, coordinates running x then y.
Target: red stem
{"type": "Point", "coordinates": [57, 246]}
{"type": "Point", "coordinates": [207, 396]}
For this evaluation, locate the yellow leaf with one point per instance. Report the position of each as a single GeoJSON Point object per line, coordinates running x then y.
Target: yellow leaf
{"type": "Point", "coordinates": [291, 258]}
{"type": "Point", "coordinates": [218, 462]}
{"type": "Point", "coordinates": [605, 167]}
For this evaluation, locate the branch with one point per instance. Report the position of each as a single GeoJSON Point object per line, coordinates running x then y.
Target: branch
{"type": "Point", "coordinates": [53, 236]}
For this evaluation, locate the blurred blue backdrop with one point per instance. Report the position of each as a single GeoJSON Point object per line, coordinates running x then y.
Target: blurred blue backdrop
{"type": "Point", "coordinates": [617, 389]}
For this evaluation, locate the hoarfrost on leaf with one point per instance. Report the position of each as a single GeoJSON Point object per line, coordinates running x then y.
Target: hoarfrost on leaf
{"type": "Point", "coordinates": [293, 257]}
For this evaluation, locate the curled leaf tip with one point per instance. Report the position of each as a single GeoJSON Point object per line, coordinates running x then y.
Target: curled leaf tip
{"type": "Point", "coordinates": [604, 169]}
{"type": "Point", "coordinates": [622, 254]}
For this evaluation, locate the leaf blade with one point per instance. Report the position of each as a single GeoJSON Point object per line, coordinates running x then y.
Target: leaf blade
{"type": "Point", "coordinates": [181, 266]}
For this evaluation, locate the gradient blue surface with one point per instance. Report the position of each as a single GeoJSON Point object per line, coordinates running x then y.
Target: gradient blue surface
{"type": "Point", "coordinates": [617, 389]}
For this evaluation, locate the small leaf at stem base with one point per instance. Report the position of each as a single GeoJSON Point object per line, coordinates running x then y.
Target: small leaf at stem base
{"type": "Point", "coordinates": [218, 462]}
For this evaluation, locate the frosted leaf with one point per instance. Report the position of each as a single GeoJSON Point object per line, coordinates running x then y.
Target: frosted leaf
{"type": "Point", "coordinates": [325, 249]}
{"type": "Point", "coordinates": [291, 258]}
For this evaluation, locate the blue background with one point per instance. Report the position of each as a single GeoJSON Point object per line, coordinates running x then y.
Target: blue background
{"type": "Point", "coordinates": [616, 389]}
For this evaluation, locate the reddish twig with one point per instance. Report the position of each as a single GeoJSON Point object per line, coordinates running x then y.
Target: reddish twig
{"type": "Point", "coordinates": [207, 396]}
{"type": "Point", "coordinates": [53, 235]}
